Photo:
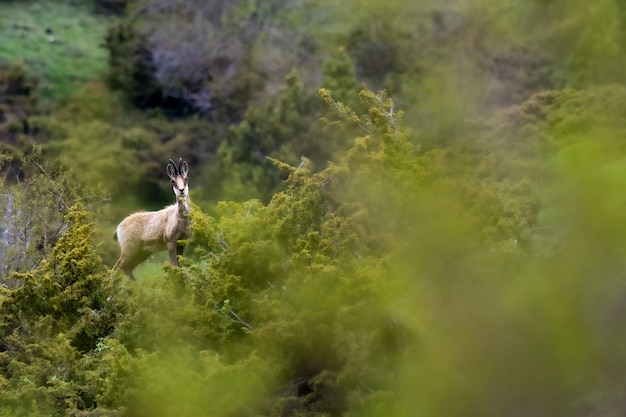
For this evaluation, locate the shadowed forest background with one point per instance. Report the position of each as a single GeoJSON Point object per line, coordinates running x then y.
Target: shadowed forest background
{"type": "Point", "coordinates": [400, 208]}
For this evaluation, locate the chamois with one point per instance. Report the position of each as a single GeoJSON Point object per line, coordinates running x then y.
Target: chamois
{"type": "Point", "coordinates": [143, 233]}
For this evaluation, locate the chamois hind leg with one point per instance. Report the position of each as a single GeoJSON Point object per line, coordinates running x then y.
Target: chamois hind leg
{"type": "Point", "coordinates": [122, 264]}
{"type": "Point", "coordinates": [128, 264]}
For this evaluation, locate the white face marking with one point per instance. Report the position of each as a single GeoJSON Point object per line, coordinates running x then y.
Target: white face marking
{"type": "Point", "coordinates": [180, 186]}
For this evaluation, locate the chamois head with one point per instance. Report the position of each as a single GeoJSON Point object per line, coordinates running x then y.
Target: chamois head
{"type": "Point", "coordinates": [178, 175]}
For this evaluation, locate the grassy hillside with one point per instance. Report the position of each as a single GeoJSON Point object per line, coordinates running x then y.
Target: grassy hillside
{"type": "Point", "coordinates": [64, 59]}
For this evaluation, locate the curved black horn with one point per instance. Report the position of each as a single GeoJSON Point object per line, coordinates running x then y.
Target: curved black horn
{"type": "Point", "coordinates": [180, 165]}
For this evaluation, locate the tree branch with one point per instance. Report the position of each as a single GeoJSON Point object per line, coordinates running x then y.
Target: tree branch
{"type": "Point", "coordinates": [240, 320]}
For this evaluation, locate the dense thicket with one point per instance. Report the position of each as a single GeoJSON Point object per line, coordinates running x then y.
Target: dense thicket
{"type": "Point", "coordinates": [400, 208]}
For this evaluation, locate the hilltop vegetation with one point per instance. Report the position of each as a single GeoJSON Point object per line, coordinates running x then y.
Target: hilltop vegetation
{"type": "Point", "coordinates": [398, 208]}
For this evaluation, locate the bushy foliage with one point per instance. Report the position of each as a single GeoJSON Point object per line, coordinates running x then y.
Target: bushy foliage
{"type": "Point", "coordinates": [35, 199]}
{"type": "Point", "coordinates": [201, 64]}
{"type": "Point", "coordinates": [582, 55]}
{"type": "Point", "coordinates": [286, 128]}
{"type": "Point", "coordinates": [52, 321]}
{"type": "Point", "coordinates": [17, 101]}
{"type": "Point", "coordinates": [130, 64]}
{"type": "Point", "coordinates": [454, 260]}
{"type": "Point", "coordinates": [301, 290]}
{"type": "Point", "coordinates": [349, 292]}
{"type": "Point", "coordinates": [287, 291]}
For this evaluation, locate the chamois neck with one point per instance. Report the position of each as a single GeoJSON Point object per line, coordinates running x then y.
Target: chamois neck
{"type": "Point", "coordinates": [183, 205]}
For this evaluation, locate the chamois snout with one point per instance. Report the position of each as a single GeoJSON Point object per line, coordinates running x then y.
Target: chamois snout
{"type": "Point", "coordinates": [181, 191]}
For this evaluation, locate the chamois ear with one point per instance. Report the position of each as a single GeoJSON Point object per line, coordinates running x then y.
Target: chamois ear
{"type": "Point", "coordinates": [183, 168]}
{"type": "Point", "coordinates": [171, 170]}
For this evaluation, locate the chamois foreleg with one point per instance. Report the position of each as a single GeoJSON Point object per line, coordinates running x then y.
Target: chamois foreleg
{"type": "Point", "coordinates": [172, 251]}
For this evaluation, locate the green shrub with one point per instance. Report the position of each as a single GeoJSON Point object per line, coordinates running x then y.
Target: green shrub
{"type": "Point", "coordinates": [52, 320]}
{"type": "Point", "coordinates": [35, 199]}
{"type": "Point", "coordinates": [18, 100]}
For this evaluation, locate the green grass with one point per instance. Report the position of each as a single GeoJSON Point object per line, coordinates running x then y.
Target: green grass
{"type": "Point", "coordinates": [150, 271]}
{"type": "Point", "coordinates": [74, 58]}
{"type": "Point", "coordinates": [151, 268]}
